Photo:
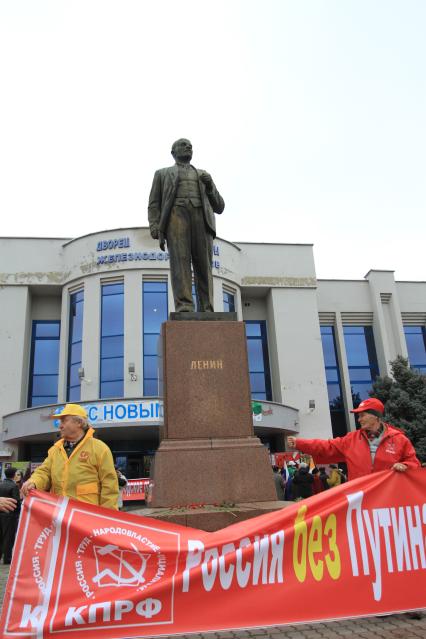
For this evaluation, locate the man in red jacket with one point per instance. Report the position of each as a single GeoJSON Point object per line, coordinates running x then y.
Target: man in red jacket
{"type": "Point", "coordinates": [376, 446]}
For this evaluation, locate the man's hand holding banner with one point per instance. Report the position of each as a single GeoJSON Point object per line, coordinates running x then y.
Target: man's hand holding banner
{"type": "Point", "coordinates": [82, 571]}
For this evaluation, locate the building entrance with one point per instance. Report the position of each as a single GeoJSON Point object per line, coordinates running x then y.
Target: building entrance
{"type": "Point", "coordinates": [134, 465]}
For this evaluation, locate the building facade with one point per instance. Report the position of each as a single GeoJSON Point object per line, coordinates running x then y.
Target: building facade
{"type": "Point", "coordinates": [81, 319]}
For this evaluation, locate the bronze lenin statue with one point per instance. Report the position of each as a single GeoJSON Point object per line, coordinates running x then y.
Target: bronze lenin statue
{"type": "Point", "coordinates": [181, 210]}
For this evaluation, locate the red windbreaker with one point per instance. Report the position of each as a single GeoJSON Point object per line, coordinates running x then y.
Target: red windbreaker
{"type": "Point", "coordinates": [354, 449]}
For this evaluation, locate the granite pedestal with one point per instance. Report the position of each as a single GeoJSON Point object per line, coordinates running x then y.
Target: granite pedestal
{"type": "Point", "coordinates": [208, 453]}
{"type": "Point", "coordinates": [210, 518]}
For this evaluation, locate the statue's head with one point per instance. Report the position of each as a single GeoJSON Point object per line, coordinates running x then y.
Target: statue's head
{"type": "Point", "coordinates": [182, 150]}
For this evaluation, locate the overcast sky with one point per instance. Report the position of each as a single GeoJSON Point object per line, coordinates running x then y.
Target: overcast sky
{"type": "Point", "coordinates": [309, 114]}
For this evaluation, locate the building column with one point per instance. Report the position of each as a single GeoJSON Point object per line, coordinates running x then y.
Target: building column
{"type": "Point", "coordinates": [388, 328]}
{"type": "Point", "coordinates": [63, 346]}
{"type": "Point", "coordinates": [239, 304]}
{"type": "Point", "coordinates": [170, 298]}
{"type": "Point", "coordinates": [344, 371]}
{"type": "Point", "coordinates": [91, 339]}
{"type": "Point", "coordinates": [133, 333]}
{"type": "Point", "coordinates": [217, 294]}
{"type": "Point", "coordinates": [298, 368]}
{"type": "Point", "coordinates": [15, 326]}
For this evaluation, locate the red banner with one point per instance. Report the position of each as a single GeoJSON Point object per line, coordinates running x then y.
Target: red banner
{"type": "Point", "coordinates": [135, 489]}
{"type": "Point", "coordinates": [83, 572]}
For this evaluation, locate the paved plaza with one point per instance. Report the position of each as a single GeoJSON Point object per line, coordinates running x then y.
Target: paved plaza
{"type": "Point", "coordinates": [388, 627]}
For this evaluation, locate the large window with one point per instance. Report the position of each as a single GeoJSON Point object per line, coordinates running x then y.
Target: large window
{"type": "Point", "coordinates": [362, 360]}
{"type": "Point", "coordinates": [112, 341]}
{"type": "Point", "coordinates": [155, 312]}
{"type": "Point", "coordinates": [44, 364]}
{"type": "Point", "coordinates": [75, 342]}
{"type": "Point", "coordinates": [228, 301]}
{"type": "Point", "coordinates": [415, 336]}
{"type": "Point", "coordinates": [258, 360]}
{"type": "Point", "coordinates": [334, 387]}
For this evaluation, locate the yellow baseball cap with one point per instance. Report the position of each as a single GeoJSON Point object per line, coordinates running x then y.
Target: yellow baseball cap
{"type": "Point", "coordinates": [71, 409]}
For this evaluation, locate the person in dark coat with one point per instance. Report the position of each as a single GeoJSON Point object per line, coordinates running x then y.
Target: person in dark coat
{"type": "Point", "coordinates": [302, 483]}
{"type": "Point", "coordinates": [279, 483]}
{"type": "Point", "coordinates": [291, 469]}
{"type": "Point", "coordinates": [8, 520]}
{"type": "Point", "coordinates": [317, 486]}
{"type": "Point", "coordinates": [324, 478]}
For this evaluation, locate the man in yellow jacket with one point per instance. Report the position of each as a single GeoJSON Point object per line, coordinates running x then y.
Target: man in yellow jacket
{"type": "Point", "coordinates": [335, 477]}
{"type": "Point", "coordinates": [77, 465]}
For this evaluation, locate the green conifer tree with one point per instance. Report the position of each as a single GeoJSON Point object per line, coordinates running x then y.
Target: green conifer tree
{"type": "Point", "coordinates": [404, 398]}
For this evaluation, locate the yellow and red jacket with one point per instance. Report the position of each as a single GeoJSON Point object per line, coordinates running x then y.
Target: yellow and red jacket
{"type": "Point", "coordinates": [88, 474]}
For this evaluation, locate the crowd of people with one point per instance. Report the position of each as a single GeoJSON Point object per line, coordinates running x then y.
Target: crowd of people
{"type": "Point", "coordinates": [296, 480]}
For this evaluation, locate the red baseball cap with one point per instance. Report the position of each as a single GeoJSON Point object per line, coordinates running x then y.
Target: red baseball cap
{"type": "Point", "coordinates": [372, 404]}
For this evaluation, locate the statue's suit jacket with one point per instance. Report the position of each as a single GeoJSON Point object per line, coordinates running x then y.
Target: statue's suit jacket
{"type": "Point", "coordinates": [163, 195]}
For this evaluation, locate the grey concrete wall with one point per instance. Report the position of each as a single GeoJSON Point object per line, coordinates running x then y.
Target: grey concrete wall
{"type": "Point", "coordinates": [346, 296]}
{"type": "Point", "coordinates": [15, 341]}
{"type": "Point", "coordinates": [299, 358]}
{"type": "Point", "coordinates": [411, 296]}
{"type": "Point", "coordinates": [31, 261]}
{"type": "Point", "coordinates": [288, 265]}
{"type": "Point", "coordinates": [46, 307]}
{"type": "Point", "coordinates": [257, 309]}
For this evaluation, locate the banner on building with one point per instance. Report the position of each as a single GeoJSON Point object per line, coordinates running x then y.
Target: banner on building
{"type": "Point", "coordinates": [83, 572]}
{"type": "Point", "coordinates": [135, 489]}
